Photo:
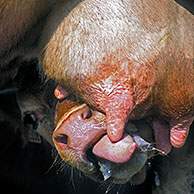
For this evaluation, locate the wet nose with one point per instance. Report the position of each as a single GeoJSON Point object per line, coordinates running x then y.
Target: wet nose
{"type": "Point", "coordinates": [78, 129]}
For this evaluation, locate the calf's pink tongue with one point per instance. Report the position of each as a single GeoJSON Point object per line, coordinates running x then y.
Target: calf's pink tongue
{"type": "Point", "coordinates": [118, 152]}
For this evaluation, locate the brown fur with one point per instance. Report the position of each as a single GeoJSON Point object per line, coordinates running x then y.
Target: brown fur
{"type": "Point", "coordinates": [26, 26]}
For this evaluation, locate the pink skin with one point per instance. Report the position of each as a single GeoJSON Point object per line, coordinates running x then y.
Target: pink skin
{"type": "Point", "coordinates": [179, 130]}
{"type": "Point", "coordinates": [116, 117]}
{"type": "Point", "coordinates": [60, 92]}
{"type": "Point", "coordinates": [79, 130]}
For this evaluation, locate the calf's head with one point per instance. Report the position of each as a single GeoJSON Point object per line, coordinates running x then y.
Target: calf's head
{"type": "Point", "coordinates": [81, 139]}
{"type": "Point", "coordinates": [36, 101]}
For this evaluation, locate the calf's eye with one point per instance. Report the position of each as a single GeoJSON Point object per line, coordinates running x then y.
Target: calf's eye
{"type": "Point", "coordinates": [30, 120]}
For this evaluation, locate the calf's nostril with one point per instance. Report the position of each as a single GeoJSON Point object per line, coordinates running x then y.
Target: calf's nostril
{"type": "Point", "coordinates": [87, 114]}
{"type": "Point", "coordinates": [62, 139]}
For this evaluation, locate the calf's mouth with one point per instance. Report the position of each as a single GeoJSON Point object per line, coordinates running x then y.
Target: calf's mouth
{"type": "Point", "coordinates": [99, 158]}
